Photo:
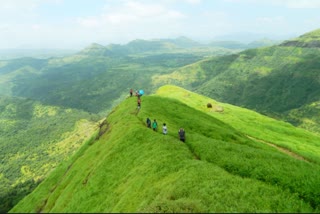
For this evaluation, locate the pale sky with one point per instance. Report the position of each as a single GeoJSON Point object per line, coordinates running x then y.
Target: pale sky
{"type": "Point", "coordinates": [78, 23]}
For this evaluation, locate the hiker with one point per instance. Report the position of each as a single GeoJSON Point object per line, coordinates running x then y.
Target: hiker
{"type": "Point", "coordinates": [139, 103]}
{"type": "Point", "coordinates": [164, 129]}
{"type": "Point", "coordinates": [148, 123]}
{"type": "Point", "coordinates": [131, 92]}
{"type": "Point", "coordinates": [182, 134]}
{"type": "Point", "coordinates": [154, 125]}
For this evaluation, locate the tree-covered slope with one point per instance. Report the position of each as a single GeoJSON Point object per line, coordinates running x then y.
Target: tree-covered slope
{"type": "Point", "coordinates": [281, 81]}
{"type": "Point", "coordinates": [94, 78]}
{"type": "Point", "coordinates": [34, 139]}
{"type": "Point", "coordinates": [132, 168]}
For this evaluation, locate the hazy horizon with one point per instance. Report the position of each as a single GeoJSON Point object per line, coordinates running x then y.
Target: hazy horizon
{"type": "Point", "coordinates": [74, 24]}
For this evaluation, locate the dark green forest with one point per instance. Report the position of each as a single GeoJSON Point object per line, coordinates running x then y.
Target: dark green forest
{"type": "Point", "coordinates": [35, 138]}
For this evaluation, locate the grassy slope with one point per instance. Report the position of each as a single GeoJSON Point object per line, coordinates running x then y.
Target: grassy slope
{"type": "Point", "coordinates": [89, 83]}
{"type": "Point", "coordinates": [252, 124]}
{"type": "Point", "coordinates": [134, 169]}
{"type": "Point", "coordinates": [281, 81]}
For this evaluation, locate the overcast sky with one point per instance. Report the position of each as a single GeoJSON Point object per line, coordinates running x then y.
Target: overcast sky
{"type": "Point", "coordinates": [78, 23]}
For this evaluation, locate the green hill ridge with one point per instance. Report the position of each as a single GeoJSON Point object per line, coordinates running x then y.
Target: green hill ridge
{"type": "Point", "coordinates": [281, 81]}
{"type": "Point", "coordinates": [222, 167]}
{"type": "Point", "coordinates": [308, 40]}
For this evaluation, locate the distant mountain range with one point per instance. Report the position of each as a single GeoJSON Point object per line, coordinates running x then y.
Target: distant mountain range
{"type": "Point", "coordinates": [134, 47]}
{"type": "Point", "coordinates": [6, 54]}
{"type": "Point", "coordinates": [248, 37]}
{"type": "Point", "coordinates": [167, 45]}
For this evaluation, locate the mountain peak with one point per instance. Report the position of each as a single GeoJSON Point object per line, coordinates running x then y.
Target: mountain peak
{"type": "Point", "coordinates": [95, 49]}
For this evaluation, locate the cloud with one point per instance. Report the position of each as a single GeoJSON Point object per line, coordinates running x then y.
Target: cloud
{"type": "Point", "coordinates": [132, 13]}
{"type": "Point", "coordinates": [89, 22]}
{"type": "Point", "coordinates": [306, 4]}
{"type": "Point", "coordinates": [124, 20]}
{"type": "Point", "coordinates": [194, 1]}
{"type": "Point", "coordinates": [267, 24]}
{"type": "Point", "coordinates": [271, 20]}
{"type": "Point", "coordinates": [311, 23]}
{"type": "Point", "coordinates": [171, 2]}
{"type": "Point", "coordinates": [80, 23]}
{"type": "Point", "coordinates": [297, 4]}
{"type": "Point", "coordinates": [24, 5]}
{"type": "Point", "coordinates": [18, 5]}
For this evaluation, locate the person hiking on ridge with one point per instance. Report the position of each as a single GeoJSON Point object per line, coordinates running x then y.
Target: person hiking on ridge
{"type": "Point", "coordinates": [164, 129]}
{"type": "Point", "coordinates": [139, 103]}
{"type": "Point", "coordinates": [148, 123]}
{"type": "Point", "coordinates": [131, 92]}
{"type": "Point", "coordinates": [154, 125]}
{"type": "Point", "coordinates": [182, 134]}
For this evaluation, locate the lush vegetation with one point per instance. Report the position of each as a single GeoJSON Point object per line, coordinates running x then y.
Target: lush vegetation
{"type": "Point", "coordinates": [70, 91]}
{"type": "Point", "coordinates": [94, 78]}
{"type": "Point", "coordinates": [34, 139]}
{"type": "Point", "coordinates": [280, 81]}
{"type": "Point", "coordinates": [132, 168]}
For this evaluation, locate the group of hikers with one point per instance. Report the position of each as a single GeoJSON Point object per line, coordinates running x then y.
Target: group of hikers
{"type": "Point", "coordinates": [139, 98]}
{"type": "Point", "coordinates": [154, 124]}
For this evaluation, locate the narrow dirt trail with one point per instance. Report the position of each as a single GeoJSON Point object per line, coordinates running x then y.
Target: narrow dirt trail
{"type": "Point", "coordinates": [283, 150]}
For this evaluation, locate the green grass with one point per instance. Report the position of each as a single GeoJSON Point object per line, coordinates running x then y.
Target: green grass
{"type": "Point", "coordinates": [134, 169]}
{"type": "Point", "coordinates": [277, 81]}
{"type": "Point", "coordinates": [34, 134]}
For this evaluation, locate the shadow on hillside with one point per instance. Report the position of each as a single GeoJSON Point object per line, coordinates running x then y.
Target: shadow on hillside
{"type": "Point", "coordinates": [13, 195]}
